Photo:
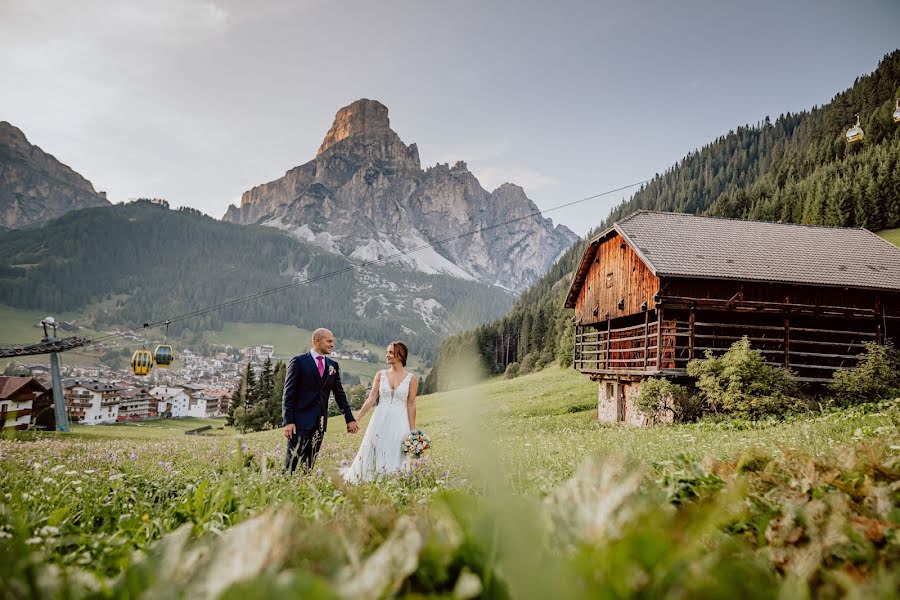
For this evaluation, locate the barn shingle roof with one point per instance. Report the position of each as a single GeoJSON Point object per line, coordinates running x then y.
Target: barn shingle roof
{"type": "Point", "coordinates": [684, 245]}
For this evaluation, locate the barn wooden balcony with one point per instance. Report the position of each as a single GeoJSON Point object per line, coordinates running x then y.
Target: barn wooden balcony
{"type": "Point", "coordinates": [813, 348]}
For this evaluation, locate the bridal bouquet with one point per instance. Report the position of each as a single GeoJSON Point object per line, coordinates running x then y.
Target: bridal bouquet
{"type": "Point", "coordinates": [416, 443]}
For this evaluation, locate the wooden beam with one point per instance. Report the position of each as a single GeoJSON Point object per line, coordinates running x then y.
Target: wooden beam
{"type": "Point", "coordinates": [608, 341]}
{"type": "Point", "coordinates": [659, 313]}
{"type": "Point", "coordinates": [691, 324]}
{"type": "Point", "coordinates": [758, 306]}
{"type": "Point", "coordinates": [646, 334]}
{"type": "Point", "coordinates": [787, 342]}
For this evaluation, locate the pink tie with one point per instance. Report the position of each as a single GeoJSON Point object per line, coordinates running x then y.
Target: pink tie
{"type": "Point", "coordinates": [321, 365]}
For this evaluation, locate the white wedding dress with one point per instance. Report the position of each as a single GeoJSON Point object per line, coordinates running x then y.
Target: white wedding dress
{"type": "Point", "coordinates": [380, 452]}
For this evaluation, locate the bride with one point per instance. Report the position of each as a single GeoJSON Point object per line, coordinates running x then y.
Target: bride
{"type": "Point", "coordinates": [393, 419]}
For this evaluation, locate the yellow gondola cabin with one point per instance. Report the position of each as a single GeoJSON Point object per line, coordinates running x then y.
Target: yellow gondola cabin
{"type": "Point", "coordinates": [141, 362]}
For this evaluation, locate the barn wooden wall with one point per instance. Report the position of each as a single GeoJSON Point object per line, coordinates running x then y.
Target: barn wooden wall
{"type": "Point", "coordinates": [616, 273]}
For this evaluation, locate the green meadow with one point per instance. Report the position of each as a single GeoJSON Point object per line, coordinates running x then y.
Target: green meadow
{"type": "Point", "coordinates": [524, 494]}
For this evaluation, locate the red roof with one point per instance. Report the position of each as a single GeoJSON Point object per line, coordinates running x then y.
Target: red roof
{"type": "Point", "coordinates": [10, 385]}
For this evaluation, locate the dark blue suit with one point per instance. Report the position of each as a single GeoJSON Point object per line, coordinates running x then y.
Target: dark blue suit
{"type": "Point", "coordinates": [305, 404]}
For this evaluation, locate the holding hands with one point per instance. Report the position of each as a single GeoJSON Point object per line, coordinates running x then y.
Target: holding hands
{"type": "Point", "coordinates": [352, 427]}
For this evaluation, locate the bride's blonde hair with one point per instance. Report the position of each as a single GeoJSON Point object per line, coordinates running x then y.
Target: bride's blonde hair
{"type": "Point", "coordinates": [400, 351]}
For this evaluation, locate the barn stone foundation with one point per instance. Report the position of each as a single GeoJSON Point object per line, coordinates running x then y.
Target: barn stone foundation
{"type": "Point", "coordinates": [615, 404]}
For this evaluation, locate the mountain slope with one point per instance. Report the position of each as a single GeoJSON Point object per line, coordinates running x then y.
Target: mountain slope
{"type": "Point", "coordinates": [366, 196]}
{"type": "Point", "coordinates": [161, 262]}
{"type": "Point", "coordinates": [797, 169]}
{"type": "Point", "coordinates": [34, 186]}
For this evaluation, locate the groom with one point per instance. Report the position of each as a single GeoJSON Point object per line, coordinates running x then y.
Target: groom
{"type": "Point", "coordinates": [310, 380]}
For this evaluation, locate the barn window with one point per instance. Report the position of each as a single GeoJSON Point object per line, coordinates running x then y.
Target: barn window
{"type": "Point", "coordinates": [609, 279]}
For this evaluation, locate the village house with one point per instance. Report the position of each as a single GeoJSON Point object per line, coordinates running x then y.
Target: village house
{"type": "Point", "coordinates": [261, 352]}
{"type": "Point", "coordinates": [171, 401]}
{"type": "Point", "coordinates": [137, 403]}
{"type": "Point", "coordinates": [17, 398]}
{"type": "Point", "coordinates": [657, 290]}
{"type": "Point", "coordinates": [222, 395]}
{"type": "Point", "coordinates": [203, 405]}
{"type": "Point", "coordinates": [92, 402]}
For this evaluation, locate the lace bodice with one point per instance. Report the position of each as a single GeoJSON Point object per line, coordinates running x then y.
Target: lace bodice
{"type": "Point", "coordinates": [397, 397]}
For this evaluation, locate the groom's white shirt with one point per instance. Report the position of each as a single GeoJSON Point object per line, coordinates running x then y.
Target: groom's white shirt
{"type": "Point", "coordinates": [314, 354]}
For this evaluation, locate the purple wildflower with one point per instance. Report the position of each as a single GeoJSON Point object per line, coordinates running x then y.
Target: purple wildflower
{"type": "Point", "coordinates": [344, 463]}
{"type": "Point", "coordinates": [133, 456]}
{"type": "Point", "coordinates": [318, 472]}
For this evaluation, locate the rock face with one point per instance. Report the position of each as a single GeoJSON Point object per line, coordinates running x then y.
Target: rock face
{"type": "Point", "coordinates": [365, 196]}
{"type": "Point", "coordinates": [34, 186]}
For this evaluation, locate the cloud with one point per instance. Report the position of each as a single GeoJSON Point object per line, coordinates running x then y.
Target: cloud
{"type": "Point", "coordinates": [492, 177]}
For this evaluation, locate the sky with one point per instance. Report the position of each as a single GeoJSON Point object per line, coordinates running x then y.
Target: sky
{"type": "Point", "coordinates": [198, 101]}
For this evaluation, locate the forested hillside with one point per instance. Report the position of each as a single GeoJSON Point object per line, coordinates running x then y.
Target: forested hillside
{"type": "Point", "coordinates": [798, 169]}
{"type": "Point", "coordinates": [155, 263]}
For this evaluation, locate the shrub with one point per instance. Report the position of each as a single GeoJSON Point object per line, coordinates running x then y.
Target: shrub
{"type": "Point", "coordinates": [528, 364]}
{"type": "Point", "coordinates": [740, 384]}
{"type": "Point", "coordinates": [546, 358]}
{"type": "Point", "coordinates": [512, 370]}
{"type": "Point", "coordinates": [565, 346]}
{"type": "Point", "coordinates": [875, 377]}
{"type": "Point", "coordinates": [658, 396]}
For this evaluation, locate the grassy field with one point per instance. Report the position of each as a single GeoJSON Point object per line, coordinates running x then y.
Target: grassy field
{"type": "Point", "coordinates": [891, 235]}
{"type": "Point", "coordinates": [524, 495]}
{"type": "Point", "coordinates": [152, 430]}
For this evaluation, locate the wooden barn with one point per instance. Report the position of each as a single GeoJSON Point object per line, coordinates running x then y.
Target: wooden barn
{"type": "Point", "coordinates": [656, 290]}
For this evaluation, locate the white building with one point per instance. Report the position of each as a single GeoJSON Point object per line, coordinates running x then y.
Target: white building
{"type": "Point", "coordinates": [203, 406]}
{"type": "Point", "coordinates": [92, 402]}
{"type": "Point", "coordinates": [172, 400]}
{"type": "Point", "coordinates": [262, 351]}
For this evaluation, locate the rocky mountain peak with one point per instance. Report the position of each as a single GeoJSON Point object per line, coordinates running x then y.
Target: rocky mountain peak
{"type": "Point", "coordinates": [360, 117]}
{"type": "Point", "coordinates": [365, 197]}
{"type": "Point", "coordinates": [34, 186]}
{"type": "Point", "coordinates": [12, 136]}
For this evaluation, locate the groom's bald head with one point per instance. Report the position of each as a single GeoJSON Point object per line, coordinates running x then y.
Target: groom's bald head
{"type": "Point", "coordinates": [322, 341]}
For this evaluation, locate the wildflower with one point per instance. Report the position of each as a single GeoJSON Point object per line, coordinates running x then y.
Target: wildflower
{"type": "Point", "coordinates": [244, 446]}
{"type": "Point", "coordinates": [318, 472]}
{"type": "Point", "coordinates": [132, 456]}
{"type": "Point", "coordinates": [34, 540]}
{"type": "Point", "coordinates": [146, 517]}
{"type": "Point", "coordinates": [344, 463]}
{"type": "Point", "coordinates": [48, 531]}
